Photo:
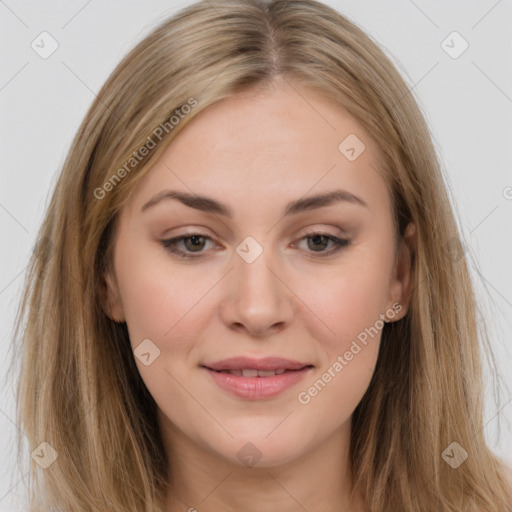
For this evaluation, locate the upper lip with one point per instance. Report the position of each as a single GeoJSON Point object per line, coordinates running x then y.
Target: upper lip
{"type": "Point", "coordinates": [248, 363]}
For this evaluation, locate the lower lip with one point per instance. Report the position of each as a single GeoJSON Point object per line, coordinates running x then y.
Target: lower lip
{"type": "Point", "coordinates": [256, 388]}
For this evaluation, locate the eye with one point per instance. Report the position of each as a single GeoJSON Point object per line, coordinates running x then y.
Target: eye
{"type": "Point", "coordinates": [194, 244]}
{"type": "Point", "coordinates": [320, 240]}
{"type": "Point", "coordinates": [197, 242]}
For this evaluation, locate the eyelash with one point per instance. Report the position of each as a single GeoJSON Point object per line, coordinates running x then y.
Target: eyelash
{"type": "Point", "coordinates": [170, 245]}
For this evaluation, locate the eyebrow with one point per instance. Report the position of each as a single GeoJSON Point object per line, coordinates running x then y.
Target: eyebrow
{"type": "Point", "coordinates": [209, 205]}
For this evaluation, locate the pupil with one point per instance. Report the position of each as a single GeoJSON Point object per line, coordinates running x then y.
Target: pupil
{"type": "Point", "coordinates": [194, 239]}
{"type": "Point", "coordinates": [316, 238]}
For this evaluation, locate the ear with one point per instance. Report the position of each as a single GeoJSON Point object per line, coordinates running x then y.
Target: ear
{"type": "Point", "coordinates": [400, 288]}
{"type": "Point", "coordinates": [111, 298]}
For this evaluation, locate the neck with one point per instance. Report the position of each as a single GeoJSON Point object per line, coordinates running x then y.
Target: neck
{"type": "Point", "coordinates": [319, 479]}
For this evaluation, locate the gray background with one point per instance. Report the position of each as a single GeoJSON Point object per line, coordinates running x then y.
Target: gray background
{"type": "Point", "coordinates": [467, 102]}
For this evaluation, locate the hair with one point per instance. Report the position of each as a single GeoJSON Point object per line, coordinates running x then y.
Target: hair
{"type": "Point", "coordinates": [79, 389]}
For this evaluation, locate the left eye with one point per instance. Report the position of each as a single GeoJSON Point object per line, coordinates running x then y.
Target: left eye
{"type": "Point", "coordinates": [195, 242]}
{"type": "Point", "coordinates": [322, 239]}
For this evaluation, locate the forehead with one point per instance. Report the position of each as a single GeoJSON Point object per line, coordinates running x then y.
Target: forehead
{"type": "Point", "coordinates": [276, 145]}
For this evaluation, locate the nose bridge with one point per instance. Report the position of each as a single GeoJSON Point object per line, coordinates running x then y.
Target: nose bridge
{"type": "Point", "coordinates": [257, 297]}
{"type": "Point", "coordinates": [253, 263]}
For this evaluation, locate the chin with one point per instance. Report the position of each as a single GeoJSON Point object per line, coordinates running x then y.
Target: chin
{"type": "Point", "coordinates": [258, 450]}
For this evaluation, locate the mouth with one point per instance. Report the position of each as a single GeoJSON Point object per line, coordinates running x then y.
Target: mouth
{"type": "Point", "coordinates": [256, 379]}
{"type": "Point", "coordinates": [249, 372]}
{"type": "Point", "coordinates": [265, 364]}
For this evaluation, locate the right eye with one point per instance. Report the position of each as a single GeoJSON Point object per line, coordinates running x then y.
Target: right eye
{"type": "Point", "coordinates": [197, 241]}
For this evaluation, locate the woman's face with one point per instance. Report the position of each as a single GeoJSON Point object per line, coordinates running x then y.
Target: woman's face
{"type": "Point", "coordinates": [261, 278]}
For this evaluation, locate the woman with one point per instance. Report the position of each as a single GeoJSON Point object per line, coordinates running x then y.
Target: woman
{"type": "Point", "coordinates": [189, 346]}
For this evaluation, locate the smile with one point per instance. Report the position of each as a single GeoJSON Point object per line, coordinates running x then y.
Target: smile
{"type": "Point", "coordinates": [252, 384]}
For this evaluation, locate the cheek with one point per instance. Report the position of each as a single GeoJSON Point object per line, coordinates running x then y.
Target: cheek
{"type": "Point", "coordinates": [347, 303]}
{"type": "Point", "coordinates": [350, 305]}
{"type": "Point", "coordinates": [160, 307]}
{"type": "Point", "coordinates": [351, 309]}
{"type": "Point", "coordinates": [151, 309]}
{"type": "Point", "coordinates": [156, 302]}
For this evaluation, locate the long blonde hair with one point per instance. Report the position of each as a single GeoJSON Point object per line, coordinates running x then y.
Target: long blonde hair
{"type": "Point", "coordinates": [79, 390]}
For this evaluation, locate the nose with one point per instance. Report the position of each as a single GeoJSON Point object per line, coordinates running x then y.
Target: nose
{"type": "Point", "coordinates": [257, 299]}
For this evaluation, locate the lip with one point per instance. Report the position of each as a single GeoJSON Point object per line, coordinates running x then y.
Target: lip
{"type": "Point", "coordinates": [249, 363]}
{"type": "Point", "coordinates": [257, 388]}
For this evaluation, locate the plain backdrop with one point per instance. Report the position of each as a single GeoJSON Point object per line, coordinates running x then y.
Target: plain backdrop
{"type": "Point", "coordinates": [466, 97]}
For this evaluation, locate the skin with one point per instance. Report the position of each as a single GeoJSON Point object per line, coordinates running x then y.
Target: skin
{"type": "Point", "coordinates": [257, 151]}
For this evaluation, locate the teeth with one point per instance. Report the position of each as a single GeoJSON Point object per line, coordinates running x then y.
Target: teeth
{"type": "Point", "coordinates": [266, 373]}
{"type": "Point", "coordinates": [235, 372]}
{"type": "Point", "coordinates": [255, 373]}
{"type": "Point", "coordinates": [250, 373]}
